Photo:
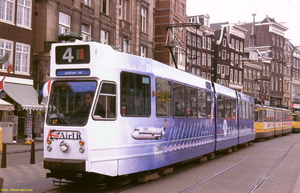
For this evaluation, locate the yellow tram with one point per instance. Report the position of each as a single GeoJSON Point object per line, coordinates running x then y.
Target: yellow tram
{"type": "Point", "coordinates": [296, 121]}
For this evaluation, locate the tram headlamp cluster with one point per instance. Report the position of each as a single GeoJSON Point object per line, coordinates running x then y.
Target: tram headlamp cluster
{"type": "Point", "coordinates": [49, 147]}
{"type": "Point", "coordinates": [81, 148]}
{"type": "Point", "coordinates": [64, 146]}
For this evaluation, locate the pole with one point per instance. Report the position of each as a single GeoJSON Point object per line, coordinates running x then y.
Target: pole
{"type": "Point", "coordinates": [3, 158]}
{"type": "Point", "coordinates": [32, 153]}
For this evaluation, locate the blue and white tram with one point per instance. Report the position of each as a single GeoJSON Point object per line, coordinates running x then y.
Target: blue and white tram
{"type": "Point", "coordinates": [144, 115]}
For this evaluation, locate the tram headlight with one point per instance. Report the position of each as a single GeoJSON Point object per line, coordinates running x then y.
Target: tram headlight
{"type": "Point", "coordinates": [81, 149]}
{"type": "Point", "coordinates": [64, 146]}
{"type": "Point", "coordinates": [49, 148]}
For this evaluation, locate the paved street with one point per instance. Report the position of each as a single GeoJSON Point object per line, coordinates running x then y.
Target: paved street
{"type": "Point", "coordinates": [19, 174]}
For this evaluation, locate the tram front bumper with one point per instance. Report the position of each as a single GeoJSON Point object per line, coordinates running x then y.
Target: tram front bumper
{"type": "Point", "coordinates": [64, 164]}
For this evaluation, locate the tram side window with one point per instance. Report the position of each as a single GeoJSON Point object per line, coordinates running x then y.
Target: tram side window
{"type": "Point", "coordinates": [179, 107]}
{"type": "Point", "coordinates": [191, 108]}
{"type": "Point", "coordinates": [202, 103]}
{"type": "Point", "coordinates": [251, 111]}
{"type": "Point", "coordinates": [135, 94]}
{"type": "Point", "coordinates": [106, 104]}
{"type": "Point", "coordinates": [163, 98]}
{"type": "Point", "coordinates": [221, 106]}
{"type": "Point", "coordinates": [227, 108]}
{"type": "Point", "coordinates": [208, 104]}
{"type": "Point", "coordinates": [233, 109]}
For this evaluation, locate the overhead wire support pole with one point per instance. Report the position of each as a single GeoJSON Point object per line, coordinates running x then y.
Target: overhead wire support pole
{"type": "Point", "coordinates": [171, 44]}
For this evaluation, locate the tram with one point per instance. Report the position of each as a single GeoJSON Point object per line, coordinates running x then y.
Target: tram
{"type": "Point", "coordinates": [296, 121]}
{"type": "Point", "coordinates": [272, 121]}
{"type": "Point", "coordinates": [114, 114]}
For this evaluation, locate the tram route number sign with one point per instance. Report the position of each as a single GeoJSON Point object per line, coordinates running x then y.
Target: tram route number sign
{"type": "Point", "coordinates": [79, 54]}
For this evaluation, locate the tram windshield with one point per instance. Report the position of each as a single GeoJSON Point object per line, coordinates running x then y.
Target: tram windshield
{"type": "Point", "coordinates": [70, 102]}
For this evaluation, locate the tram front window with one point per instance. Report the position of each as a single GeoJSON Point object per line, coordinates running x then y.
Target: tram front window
{"type": "Point", "coordinates": [70, 102]}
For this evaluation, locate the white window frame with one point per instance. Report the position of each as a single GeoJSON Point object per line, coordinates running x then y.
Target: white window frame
{"type": "Point", "coordinates": [144, 19]}
{"type": "Point", "coordinates": [22, 58]}
{"type": "Point", "coordinates": [6, 46]}
{"type": "Point", "coordinates": [105, 7]}
{"type": "Point", "coordinates": [64, 23]}
{"type": "Point", "coordinates": [104, 37]}
{"type": "Point", "coordinates": [143, 51]}
{"type": "Point", "coordinates": [86, 31]}
{"type": "Point", "coordinates": [7, 11]}
{"type": "Point", "coordinates": [24, 13]}
{"type": "Point", "coordinates": [86, 3]}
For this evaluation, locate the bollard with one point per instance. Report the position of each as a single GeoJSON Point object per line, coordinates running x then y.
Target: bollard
{"type": "Point", "coordinates": [1, 183]}
{"type": "Point", "coordinates": [3, 158]}
{"type": "Point", "coordinates": [32, 153]}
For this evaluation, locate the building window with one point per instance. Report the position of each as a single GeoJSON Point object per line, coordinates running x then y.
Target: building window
{"type": "Point", "coordinates": [104, 37]}
{"type": "Point", "coordinates": [85, 32]}
{"type": "Point", "coordinates": [198, 58]}
{"type": "Point", "coordinates": [208, 43]}
{"type": "Point", "coordinates": [208, 59]}
{"type": "Point", "coordinates": [224, 42]}
{"type": "Point", "coordinates": [22, 58]}
{"type": "Point", "coordinates": [105, 7]}
{"type": "Point", "coordinates": [6, 50]}
{"type": "Point", "coordinates": [223, 71]}
{"type": "Point", "coordinates": [24, 13]}
{"type": "Point", "coordinates": [235, 76]}
{"type": "Point", "coordinates": [183, 9]}
{"type": "Point", "coordinates": [198, 42]}
{"type": "Point", "coordinates": [143, 51]}
{"type": "Point", "coordinates": [223, 54]}
{"type": "Point", "coordinates": [188, 39]}
{"type": "Point", "coordinates": [237, 45]}
{"type": "Point", "coordinates": [7, 10]}
{"type": "Point", "coordinates": [123, 5]}
{"type": "Point", "coordinates": [144, 20]}
{"type": "Point", "coordinates": [204, 42]}
{"type": "Point", "coordinates": [227, 70]}
{"type": "Point", "coordinates": [194, 41]}
{"type": "Point", "coordinates": [231, 75]}
{"type": "Point", "coordinates": [241, 47]}
{"type": "Point", "coordinates": [175, 2]}
{"type": "Point", "coordinates": [86, 2]}
{"type": "Point", "coordinates": [179, 56]}
{"type": "Point", "coordinates": [232, 43]}
{"type": "Point", "coordinates": [218, 68]}
{"type": "Point", "coordinates": [240, 76]}
{"type": "Point", "coordinates": [245, 73]}
{"type": "Point", "coordinates": [203, 59]}
{"type": "Point", "coordinates": [250, 74]}
{"type": "Point", "coordinates": [64, 23]}
{"type": "Point", "coordinates": [126, 45]}
{"type": "Point", "coordinates": [208, 76]}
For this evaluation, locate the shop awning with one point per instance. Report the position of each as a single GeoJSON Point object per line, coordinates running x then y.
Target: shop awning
{"type": "Point", "coordinates": [6, 106]}
{"type": "Point", "coordinates": [25, 95]}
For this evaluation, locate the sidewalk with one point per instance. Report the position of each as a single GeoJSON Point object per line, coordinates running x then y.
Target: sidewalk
{"type": "Point", "coordinates": [21, 147]}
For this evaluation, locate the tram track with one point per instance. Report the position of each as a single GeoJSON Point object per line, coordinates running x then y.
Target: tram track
{"type": "Point", "coordinates": [260, 181]}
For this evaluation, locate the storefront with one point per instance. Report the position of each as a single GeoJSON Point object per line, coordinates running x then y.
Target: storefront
{"type": "Point", "coordinates": [27, 116]}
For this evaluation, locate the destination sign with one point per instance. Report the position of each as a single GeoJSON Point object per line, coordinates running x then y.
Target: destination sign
{"type": "Point", "coordinates": [73, 72]}
{"type": "Point", "coordinates": [79, 54]}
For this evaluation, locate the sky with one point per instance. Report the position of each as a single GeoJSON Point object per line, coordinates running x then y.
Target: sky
{"type": "Point", "coordinates": [285, 12]}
